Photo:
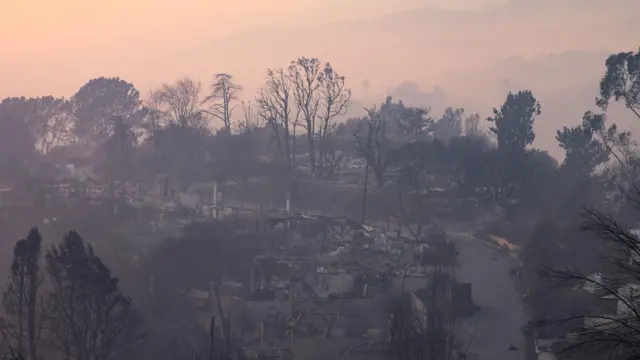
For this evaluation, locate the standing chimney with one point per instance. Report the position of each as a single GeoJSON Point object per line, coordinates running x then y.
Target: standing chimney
{"type": "Point", "coordinates": [288, 203]}
{"type": "Point", "coordinates": [215, 199]}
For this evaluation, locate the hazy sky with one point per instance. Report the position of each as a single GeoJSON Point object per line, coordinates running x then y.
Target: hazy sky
{"type": "Point", "coordinates": [54, 46]}
{"type": "Point", "coordinates": [77, 37]}
{"type": "Point", "coordinates": [474, 50]}
{"type": "Point", "coordinates": [26, 25]}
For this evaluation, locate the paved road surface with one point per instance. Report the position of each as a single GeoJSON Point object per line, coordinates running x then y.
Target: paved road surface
{"type": "Point", "coordinates": [499, 321]}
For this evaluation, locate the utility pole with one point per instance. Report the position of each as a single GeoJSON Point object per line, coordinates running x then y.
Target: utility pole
{"type": "Point", "coordinates": [366, 175]}
{"type": "Point", "coordinates": [212, 338]}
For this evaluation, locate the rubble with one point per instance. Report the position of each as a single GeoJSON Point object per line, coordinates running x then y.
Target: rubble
{"type": "Point", "coordinates": [324, 283]}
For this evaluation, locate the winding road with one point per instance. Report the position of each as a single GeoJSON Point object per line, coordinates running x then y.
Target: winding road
{"type": "Point", "coordinates": [498, 323]}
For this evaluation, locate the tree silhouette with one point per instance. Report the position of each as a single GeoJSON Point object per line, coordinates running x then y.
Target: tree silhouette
{"type": "Point", "coordinates": [335, 98]}
{"type": "Point", "coordinates": [306, 77]}
{"type": "Point", "coordinates": [22, 301]}
{"type": "Point", "coordinates": [410, 123]}
{"type": "Point", "coordinates": [179, 104]}
{"type": "Point", "coordinates": [621, 81]}
{"type": "Point", "coordinates": [223, 93]}
{"type": "Point", "coordinates": [372, 143]}
{"type": "Point", "coordinates": [90, 318]}
{"type": "Point", "coordinates": [277, 107]}
{"type": "Point", "coordinates": [52, 123]}
{"type": "Point", "coordinates": [449, 126]}
{"type": "Point", "coordinates": [119, 148]}
{"type": "Point", "coordinates": [612, 335]}
{"type": "Point", "coordinates": [513, 122]}
{"type": "Point", "coordinates": [17, 145]}
{"type": "Point", "coordinates": [510, 172]}
{"type": "Point", "coordinates": [100, 100]}
{"type": "Point", "coordinates": [584, 151]}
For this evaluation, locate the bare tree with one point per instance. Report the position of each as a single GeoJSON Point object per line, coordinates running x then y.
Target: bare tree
{"type": "Point", "coordinates": [276, 107]}
{"type": "Point", "coordinates": [155, 119]}
{"type": "Point", "coordinates": [335, 99]}
{"type": "Point", "coordinates": [374, 149]}
{"type": "Point", "coordinates": [250, 118]}
{"type": "Point", "coordinates": [411, 338]}
{"type": "Point", "coordinates": [22, 301]}
{"type": "Point", "coordinates": [331, 157]}
{"type": "Point", "coordinates": [472, 126]}
{"type": "Point", "coordinates": [223, 93]}
{"type": "Point", "coordinates": [424, 327]}
{"type": "Point", "coordinates": [306, 77]}
{"type": "Point", "coordinates": [418, 199]}
{"type": "Point", "coordinates": [53, 123]}
{"type": "Point", "coordinates": [179, 104]}
{"type": "Point", "coordinates": [617, 334]}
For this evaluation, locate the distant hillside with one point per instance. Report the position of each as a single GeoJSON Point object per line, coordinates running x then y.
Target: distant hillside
{"type": "Point", "coordinates": [400, 44]}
